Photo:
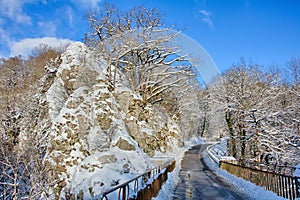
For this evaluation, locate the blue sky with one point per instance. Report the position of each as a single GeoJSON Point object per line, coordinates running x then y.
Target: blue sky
{"type": "Point", "coordinates": [264, 31]}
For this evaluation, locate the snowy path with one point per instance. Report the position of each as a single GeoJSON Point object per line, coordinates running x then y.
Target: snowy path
{"type": "Point", "coordinates": [199, 182]}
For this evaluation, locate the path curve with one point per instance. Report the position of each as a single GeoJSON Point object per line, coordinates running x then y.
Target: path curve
{"type": "Point", "coordinates": [199, 182]}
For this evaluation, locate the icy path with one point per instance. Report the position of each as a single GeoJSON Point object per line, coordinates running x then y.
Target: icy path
{"type": "Point", "coordinates": [199, 182]}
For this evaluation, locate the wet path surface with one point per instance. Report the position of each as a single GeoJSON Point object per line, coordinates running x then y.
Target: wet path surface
{"type": "Point", "coordinates": [199, 182]}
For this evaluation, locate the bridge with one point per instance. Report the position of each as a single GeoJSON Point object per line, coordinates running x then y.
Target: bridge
{"type": "Point", "coordinates": [199, 181]}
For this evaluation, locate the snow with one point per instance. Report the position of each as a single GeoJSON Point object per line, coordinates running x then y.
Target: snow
{"type": "Point", "coordinates": [169, 186]}
{"type": "Point", "coordinates": [102, 170]}
{"type": "Point", "coordinates": [55, 94]}
{"type": "Point", "coordinates": [297, 171]}
{"type": "Point", "coordinates": [77, 54]}
{"type": "Point", "coordinates": [145, 128]}
{"type": "Point", "coordinates": [249, 189]}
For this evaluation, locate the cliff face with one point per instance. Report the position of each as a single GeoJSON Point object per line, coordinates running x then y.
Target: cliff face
{"type": "Point", "coordinates": [98, 137]}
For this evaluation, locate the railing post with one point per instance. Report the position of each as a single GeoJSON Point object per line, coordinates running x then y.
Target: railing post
{"type": "Point", "coordinates": [285, 188]}
{"type": "Point", "coordinates": [280, 185]}
{"type": "Point", "coordinates": [293, 188]}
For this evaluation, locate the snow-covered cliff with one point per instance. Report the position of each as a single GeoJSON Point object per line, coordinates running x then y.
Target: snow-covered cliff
{"type": "Point", "coordinates": [99, 137]}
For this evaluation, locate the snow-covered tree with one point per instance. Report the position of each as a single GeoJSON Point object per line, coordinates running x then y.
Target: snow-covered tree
{"type": "Point", "coordinates": [138, 44]}
{"type": "Point", "coordinates": [187, 109]}
{"type": "Point", "coordinates": [259, 113]}
{"type": "Point", "coordinates": [23, 126]}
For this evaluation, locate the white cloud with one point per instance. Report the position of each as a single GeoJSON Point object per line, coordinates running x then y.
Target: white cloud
{"type": "Point", "coordinates": [13, 9]}
{"type": "Point", "coordinates": [25, 46]}
{"type": "Point", "coordinates": [207, 18]}
{"type": "Point", "coordinates": [2, 56]}
{"type": "Point", "coordinates": [48, 28]}
{"type": "Point", "coordinates": [70, 15]}
{"type": "Point", "coordinates": [4, 38]}
{"type": "Point", "coordinates": [5, 41]}
{"type": "Point", "coordinates": [87, 3]}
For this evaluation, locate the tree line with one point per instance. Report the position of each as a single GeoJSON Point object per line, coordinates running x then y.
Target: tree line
{"type": "Point", "coordinates": [258, 109]}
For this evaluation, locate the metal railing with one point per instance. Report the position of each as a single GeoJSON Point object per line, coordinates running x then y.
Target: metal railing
{"type": "Point", "coordinates": [144, 186]}
{"type": "Point", "coordinates": [282, 185]}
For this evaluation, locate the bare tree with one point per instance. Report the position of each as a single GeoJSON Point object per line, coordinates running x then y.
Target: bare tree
{"type": "Point", "coordinates": [22, 173]}
{"type": "Point", "coordinates": [137, 44]}
{"type": "Point", "coordinates": [260, 114]}
{"type": "Point", "coordinates": [22, 128]}
{"type": "Point", "coordinates": [293, 67]}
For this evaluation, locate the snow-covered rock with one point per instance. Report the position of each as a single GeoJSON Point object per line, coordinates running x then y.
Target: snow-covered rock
{"type": "Point", "coordinates": [99, 137]}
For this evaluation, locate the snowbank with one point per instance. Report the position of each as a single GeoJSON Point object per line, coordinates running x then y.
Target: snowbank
{"type": "Point", "coordinates": [251, 190]}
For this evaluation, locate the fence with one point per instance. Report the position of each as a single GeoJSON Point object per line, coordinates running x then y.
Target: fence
{"type": "Point", "coordinates": [145, 186]}
{"type": "Point", "coordinates": [282, 185]}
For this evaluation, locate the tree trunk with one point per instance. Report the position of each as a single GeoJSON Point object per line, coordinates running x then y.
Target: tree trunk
{"type": "Point", "coordinates": [229, 122]}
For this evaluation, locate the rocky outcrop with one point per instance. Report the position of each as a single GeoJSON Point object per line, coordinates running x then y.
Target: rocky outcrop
{"type": "Point", "coordinates": [99, 137]}
{"type": "Point", "coordinates": [152, 130]}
